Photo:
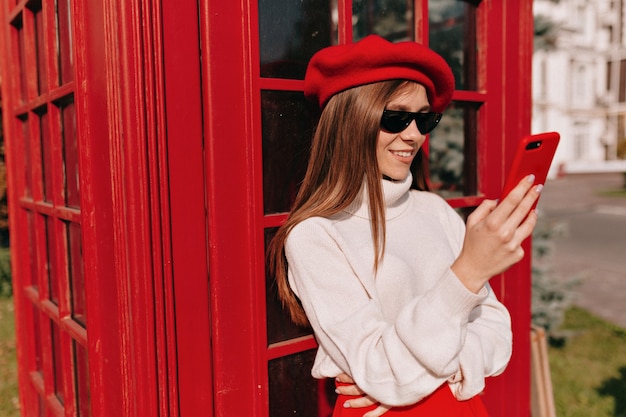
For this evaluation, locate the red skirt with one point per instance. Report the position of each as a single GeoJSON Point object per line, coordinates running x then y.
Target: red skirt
{"type": "Point", "coordinates": [440, 403]}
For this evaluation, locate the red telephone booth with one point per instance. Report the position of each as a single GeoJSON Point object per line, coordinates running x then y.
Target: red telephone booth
{"type": "Point", "coordinates": [153, 147]}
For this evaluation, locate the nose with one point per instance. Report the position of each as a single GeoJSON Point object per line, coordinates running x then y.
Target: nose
{"type": "Point", "coordinates": [412, 133]}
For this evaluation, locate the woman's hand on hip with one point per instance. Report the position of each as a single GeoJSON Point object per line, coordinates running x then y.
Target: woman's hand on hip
{"type": "Point", "coordinates": [494, 235]}
{"type": "Point", "coordinates": [361, 399]}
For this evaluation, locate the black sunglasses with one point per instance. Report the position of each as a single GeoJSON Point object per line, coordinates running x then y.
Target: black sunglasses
{"type": "Point", "coordinates": [395, 121]}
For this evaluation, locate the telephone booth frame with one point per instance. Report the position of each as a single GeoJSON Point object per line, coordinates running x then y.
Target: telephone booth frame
{"type": "Point", "coordinates": [134, 150]}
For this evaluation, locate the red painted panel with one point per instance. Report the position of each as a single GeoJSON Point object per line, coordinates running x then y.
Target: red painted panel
{"type": "Point", "coordinates": [508, 88]}
{"type": "Point", "coordinates": [185, 149]}
{"type": "Point", "coordinates": [18, 221]}
{"type": "Point", "coordinates": [236, 267]}
{"type": "Point", "coordinates": [98, 250]}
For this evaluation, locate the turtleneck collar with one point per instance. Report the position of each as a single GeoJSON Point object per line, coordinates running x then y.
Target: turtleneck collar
{"type": "Point", "coordinates": [395, 195]}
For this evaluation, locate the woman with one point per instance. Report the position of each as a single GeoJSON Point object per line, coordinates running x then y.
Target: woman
{"type": "Point", "coordinates": [393, 283]}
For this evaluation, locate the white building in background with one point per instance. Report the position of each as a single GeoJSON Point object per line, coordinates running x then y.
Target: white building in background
{"type": "Point", "coordinates": [579, 82]}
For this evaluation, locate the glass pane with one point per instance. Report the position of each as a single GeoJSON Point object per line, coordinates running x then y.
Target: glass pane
{"type": "Point", "coordinates": [293, 391]}
{"type": "Point", "coordinates": [18, 24]}
{"type": "Point", "coordinates": [452, 152]}
{"type": "Point", "coordinates": [42, 410]}
{"type": "Point", "coordinates": [37, 339]}
{"type": "Point", "coordinates": [32, 252]}
{"type": "Point", "coordinates": [287, 130]}
{"type": "Point", "coordinates": [70, 154]}
{"type": "Point", "coordinates": [77, 277]}
{"type": "Point", "coordinates": [81, 378]}
{"type": "Point", "coordinates": [53, 279]}
{"type": "Point", "coordinates": [28, 173]}
{"type": "Point", "coordinates": [622, 81]}
{"type": "Point", "coordinates": [290, 32]}
{"type": "Point", "coordinates": [46, 155]}
{"type": "Point", "coordinates": [452, 33]}
{"type": "Point", "coordinates": [42, 70]}
{"type": "Point", "coordinates": [64, 41]}
{"type": "Point", "coordinates": [279, 325]}
{"type": "Point", "coordinates": [391, 19]}
{"type": "Point", "coordinates": [56, 357]}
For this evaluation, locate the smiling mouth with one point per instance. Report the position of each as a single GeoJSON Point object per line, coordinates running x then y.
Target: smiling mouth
{"type": "Point", "coordinates": [403, 154]}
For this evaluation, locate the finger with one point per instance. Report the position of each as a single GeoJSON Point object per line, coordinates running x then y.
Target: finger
{"type": "Point", "coordinates": [345, 378]}
{"type": "Point", "coordinates": [514, 208]}
{"type": "Point", "coordinates": [348, 390]}
{"type": "Point", "coordinates": [482, 211]}
{"type": "Point", "coordinates": [517, 194]}
{"type": "Point", "coordinates": [359, 402]}
{"type": "Point", "coordinates": [522, 232]}
{"type": "Point", "coordinates": [523, 209]}
{"type": "Point", "coordinates": [526, 228]}
{"type": "Point", "coordinates": [377, 412]}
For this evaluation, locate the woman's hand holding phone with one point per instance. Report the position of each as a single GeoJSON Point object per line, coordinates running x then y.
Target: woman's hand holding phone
{"type": "Point", "coordinates": [494, 235]}
{"type": "Point", "coordinates": [495, 232]}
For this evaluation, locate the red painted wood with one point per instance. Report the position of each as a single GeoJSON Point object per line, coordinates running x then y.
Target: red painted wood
{"type": "Point", "coordinates": [104, 345]}
{"type": "Point", "coordinates": [290, 347]}
{"type": "Point", "coordinates": [508, 88]}
{"type": "Point", "coordinates": [161, 236]}
{"type": "Point", "coordinates": [344, 24]}
{"type": "Point", "coordinates": [187, 204]}
{"type": "Point", "coordinates": [236, 259]}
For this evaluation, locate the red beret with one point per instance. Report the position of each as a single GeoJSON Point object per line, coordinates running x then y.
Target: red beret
{"type": "Point", "coordinates": [372, 59]}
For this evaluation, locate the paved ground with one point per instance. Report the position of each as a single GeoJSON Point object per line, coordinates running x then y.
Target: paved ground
{"type": "Point", "coordinates": [593, 245]}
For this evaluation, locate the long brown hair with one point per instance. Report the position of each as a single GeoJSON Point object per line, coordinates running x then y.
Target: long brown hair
{"type": "Point", "coordinates": [343, 158]}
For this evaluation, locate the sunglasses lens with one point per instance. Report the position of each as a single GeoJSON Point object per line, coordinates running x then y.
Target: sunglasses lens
{"type": "Point", "coordinates": [426, 122]}
{"type": "Point", "coordinates": [396, 121]}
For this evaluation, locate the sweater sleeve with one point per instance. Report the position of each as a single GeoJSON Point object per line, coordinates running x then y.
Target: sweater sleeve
{"type": "Point", "coordinates": [396, 363]}
{"type": "Point", "coordinates": [487, 349]}
{"type": "Point", "coordinates": [488, 344]}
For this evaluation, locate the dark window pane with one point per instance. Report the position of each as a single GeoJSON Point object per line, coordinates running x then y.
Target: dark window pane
{"type": "Point", "coordinates": [37, 339]}
{"type": "Point", "coordinates": [42, 409]}
{"type": "Point", "coordinates": [464, 212]}
{"type": "Point", "coordinates": [64, 41]}
{"type": "Point", "coordinates": [32, 248]}
{"type": "Point", "coordinates": [391, 19]}
{"type": "Point", "coordinates": [452, 33]}
{"type": "Point", "coordinates": [290, 32]}
{"type": "Point", "coordinates": [56, 357]}
{"type": "Point", "coordinates": [279, 325]}
{"type": "Point", "coordinates": [70, 154]}
{"type": "Point", "coordinates": [40, 46]}
{"type": "Point", "coordinates": [453, 154]}
{"type": "Point", "coordinates": [81, 378]}
{"type": "Point", "coordinates": [18, 24]}
{"type": "Point", "coordinates": [293, 391]}
{"type": "Point", "coordinates": [53, 279]}
{"type": "Point", "coordinates": [77, 277]}
{"type": "Point", "coordinates": [287, 130]}
{"type": "Point", "coordinates": [622, 81]}
{"type": "Point", "coordinates": [28, 173]}
{"type": "Point", "coordinates": [46, 155]}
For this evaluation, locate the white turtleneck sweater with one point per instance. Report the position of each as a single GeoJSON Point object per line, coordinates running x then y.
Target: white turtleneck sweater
{"type": "Point", "coordinates": [411, 326]}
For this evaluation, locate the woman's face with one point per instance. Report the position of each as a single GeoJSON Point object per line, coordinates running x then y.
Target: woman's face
{"type": "Point", "coordinates": [395, 151]}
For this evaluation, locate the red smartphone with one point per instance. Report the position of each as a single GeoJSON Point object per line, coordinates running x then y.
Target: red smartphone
{"type": "Point", "coordinates": [533, 156]}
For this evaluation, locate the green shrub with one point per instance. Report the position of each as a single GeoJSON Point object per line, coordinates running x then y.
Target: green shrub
{"type": "Point", "coordinates": [6, 284]}
{"type": "Point", "coordinates": [551, 295]}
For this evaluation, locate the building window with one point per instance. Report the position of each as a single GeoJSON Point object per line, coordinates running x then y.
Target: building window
{"type": "Point", "coordinates": [622, 81]}
{"type": "Point", "coordinates": [581, 141]}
